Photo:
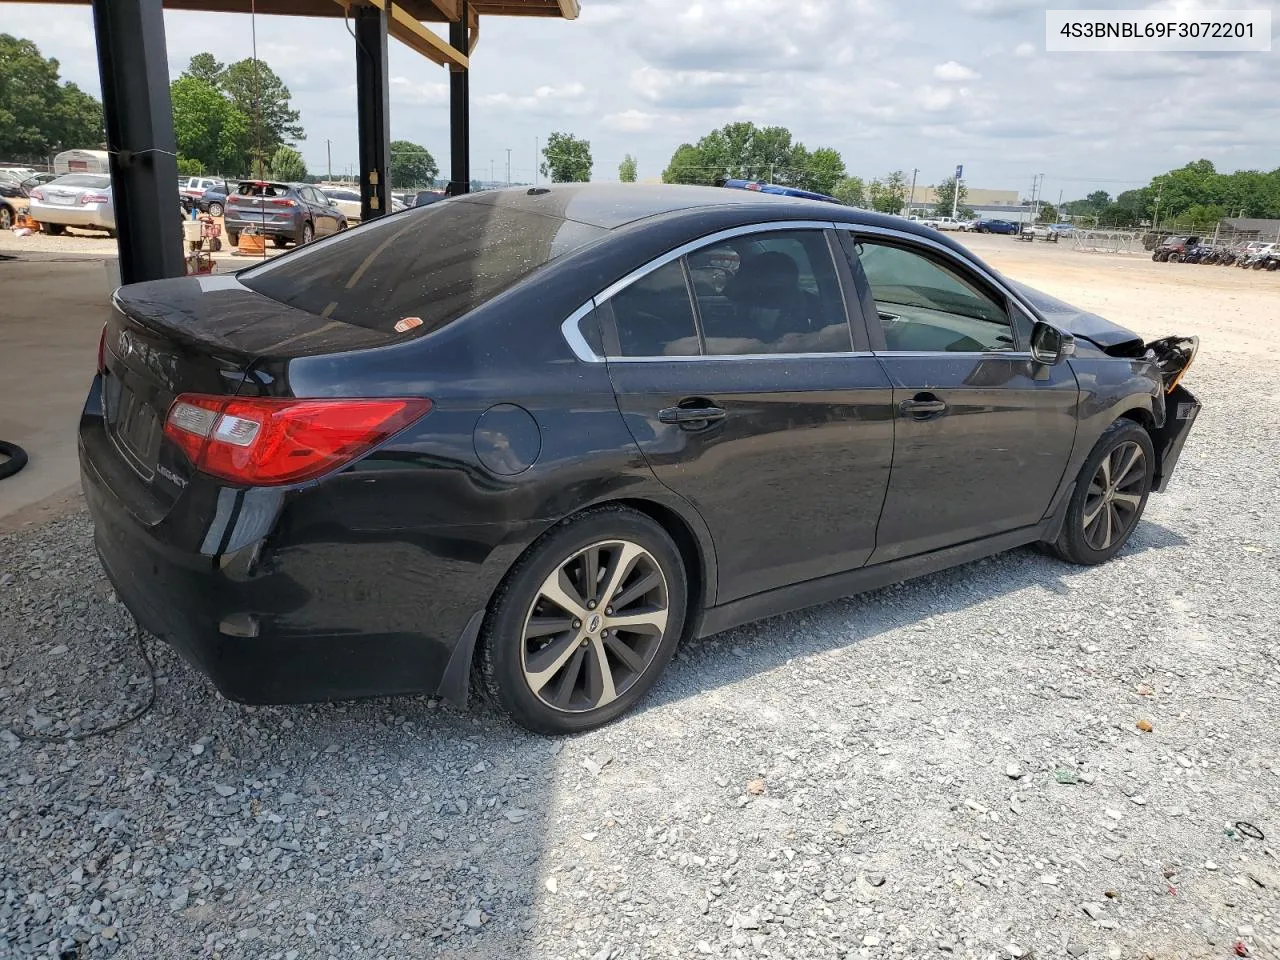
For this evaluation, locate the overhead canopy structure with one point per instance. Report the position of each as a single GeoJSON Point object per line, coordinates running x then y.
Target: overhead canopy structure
{"type": "Point", "coordinates": [133, 64]}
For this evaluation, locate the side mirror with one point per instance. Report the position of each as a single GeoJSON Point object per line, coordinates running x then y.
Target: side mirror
{"type": "Point", "coordinates": [1050, 345]}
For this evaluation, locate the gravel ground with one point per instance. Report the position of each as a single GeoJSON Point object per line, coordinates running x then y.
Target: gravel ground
{"type": "Point", "coordinates": [950, 767]}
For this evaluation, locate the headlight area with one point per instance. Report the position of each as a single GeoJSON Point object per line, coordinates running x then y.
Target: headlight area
{"type": "Point", "coordinates": [1173, 355]}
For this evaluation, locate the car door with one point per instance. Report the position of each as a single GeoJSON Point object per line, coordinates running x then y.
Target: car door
{"type": "Point", "coordinates": [323, 215]}
{"type": "Point", "coordinates": [735, 370]}
{"type": "Point", "coordinates": [982, 431]}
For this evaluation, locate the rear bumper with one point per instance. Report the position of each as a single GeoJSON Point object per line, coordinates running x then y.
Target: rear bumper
{"type": "Point", "coordinates": [1181, 410]}
{"type": "Point", "coordinates": [275, 601]}
{"type": "Point", "coordinates": [268, 228]}
{"type": "Point", "coordinates": [92, 215]}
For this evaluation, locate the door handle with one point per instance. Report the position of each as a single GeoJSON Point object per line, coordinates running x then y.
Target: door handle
{"type": "Point", "coordinates": [922, 408]}
{"type": "Point", "coordinates": [684, 416]}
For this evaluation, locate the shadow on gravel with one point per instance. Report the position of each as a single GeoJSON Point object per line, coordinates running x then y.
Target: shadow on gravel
{"type": "Point", "coordinates": [386, 828]}
{"type": "Point", "coordinates": [768, 644]}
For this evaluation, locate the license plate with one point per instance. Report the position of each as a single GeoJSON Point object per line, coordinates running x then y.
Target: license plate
{"type": "Point", "coordinates": [133, 423]}
{"type": "Point", "coordinates": [62, 201]}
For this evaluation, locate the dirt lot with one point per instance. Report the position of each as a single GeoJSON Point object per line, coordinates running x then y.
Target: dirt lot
{"type": "Point", "coordinates": [947, 768]}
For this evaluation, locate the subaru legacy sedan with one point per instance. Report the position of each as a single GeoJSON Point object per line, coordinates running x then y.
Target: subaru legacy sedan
{"type": "Point", "coordinates": [535, 438]}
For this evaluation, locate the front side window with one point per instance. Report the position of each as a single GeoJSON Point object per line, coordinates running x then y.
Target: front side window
{"type": "Point", "coordinates": [770, 293]}
{"type": "Point", "coordinates": [925, 305]}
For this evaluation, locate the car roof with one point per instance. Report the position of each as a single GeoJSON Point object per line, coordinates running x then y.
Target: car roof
{"type": "Point", "coordinates": [615, 205]}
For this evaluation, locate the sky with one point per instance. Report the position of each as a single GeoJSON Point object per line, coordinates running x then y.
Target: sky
{"type": "Point", "coordinates": [892, 84]}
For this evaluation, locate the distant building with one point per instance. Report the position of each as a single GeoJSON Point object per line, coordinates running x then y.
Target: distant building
{"type": "Point", "coordinates": [975, 197]}
{"type": "Point", "coordinates": [1250, 228]}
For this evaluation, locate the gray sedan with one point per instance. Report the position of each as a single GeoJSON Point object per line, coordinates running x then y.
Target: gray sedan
{"type": "Point", "coordinates": [76, 200]}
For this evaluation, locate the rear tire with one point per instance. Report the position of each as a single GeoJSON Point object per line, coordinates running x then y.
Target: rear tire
{"type": "Point", "coordinates": [548, 653]}
{"type": "Point", "coordinates": [279, 242]}
{"type": "Point", "coordinates": [53, 229]}
{"type": "Point", "coordinates": [307, 235]}
{"type": "Point", "coordinates": [215, 209]}
{"type": "Point", "coordinates": [233, 238]}
{"type": "Point", "coordinates": [1109, 497]}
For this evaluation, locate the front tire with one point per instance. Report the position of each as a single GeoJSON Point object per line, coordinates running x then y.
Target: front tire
{"type": "Point", "coordinates": [585, 622]}
{"type": "Point", "coordinates": [1109, 497]}
{"type": "Point", "coordinates": [215, 209]}
{"type": "Point", "coordinates": [6, 218]}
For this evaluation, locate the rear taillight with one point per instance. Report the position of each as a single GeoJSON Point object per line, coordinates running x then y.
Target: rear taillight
{"type": "Point", "coordinates": [36, 194]}
{"type": "Point", "coordinates": [284, 203]}
{"type": "Point", "coordinates": [93, 198]}
{"type": "Point", "coordinates": [267, 441]}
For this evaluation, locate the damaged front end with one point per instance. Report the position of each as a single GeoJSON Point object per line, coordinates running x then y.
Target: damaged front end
{"type": "Point", "coordinates": [1172, 356]}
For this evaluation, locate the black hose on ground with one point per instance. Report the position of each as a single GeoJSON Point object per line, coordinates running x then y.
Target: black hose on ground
{"type": "Point", "coordinates": [12, 459]}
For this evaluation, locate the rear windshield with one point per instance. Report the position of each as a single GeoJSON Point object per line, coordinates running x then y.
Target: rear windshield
{"type": "Point", "coordinates": [83, 180]}
{"type": "Point", "coordinates": [431, 263]}
{"type": "Point", "coordinates": [263, 189]}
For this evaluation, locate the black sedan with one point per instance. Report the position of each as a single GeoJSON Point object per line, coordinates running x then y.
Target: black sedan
{"type": "Point", "coordinates": [540, 436]}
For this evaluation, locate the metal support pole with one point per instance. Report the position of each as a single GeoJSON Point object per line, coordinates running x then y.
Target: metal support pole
{"type": "Point", "coordinates": [911, 202]}
{"type": "Point", "coordinates": [134, 70]}
{"type": "Point", "coordinates": [372, 109]}
{"type": "Point", "coordinates": [459, 109]}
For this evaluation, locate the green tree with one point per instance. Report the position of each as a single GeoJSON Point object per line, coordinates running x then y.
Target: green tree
{"type": "Point", "coordinates": [820, 171]}
{"type": "Point", "coordinates": [627, 169]}
{"type": "Point", "coordinates": [566, 159]}
{"type": "Point", "coordinates": [190, 166]}
{"type": "Point", "coordinates": [256, 91]}
{"type": "Point", "coordinates": [287, 164]}
{"type": "Point", "coordinates": [208, 127]}
{"type": "Point", "coordinates": [1048, 214]}
{"type": "Point", "coordinates": [204, 66]}
{"type": "Point", "coordinates": [742, 150]}
{"type": "Point", "coordinates": [851, 191]}
{"type": "Point", "coordinates": [412, 165]}
{"type": "Point", "coordinates": [945, 193]}
{"type": "Point", "coordinates": [38, 114]}
{"type": "Point", "coordinates": [888, 194]}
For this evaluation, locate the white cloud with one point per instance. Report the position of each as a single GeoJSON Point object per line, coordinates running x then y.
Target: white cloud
{"type": "Point", "coordinates": [631, 121]}
{"type": "Point", "coordinates": [1025, 50]}
{"type": "Point", "coordinates": [954, 71]}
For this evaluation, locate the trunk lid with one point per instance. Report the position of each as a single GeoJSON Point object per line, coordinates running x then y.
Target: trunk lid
{"type": "Point", "coordinates": [192, 335]}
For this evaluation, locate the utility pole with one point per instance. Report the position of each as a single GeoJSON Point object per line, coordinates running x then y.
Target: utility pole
{"type": "Point", "coordinates": [912, 200]}
{"type": "Point", "coordinates": [328, 150]}
{"type": "Point", "coordinates": [1155, 213]}
{"type": "Point", "coordinates": [491, 171]}
{"type": "Point", "coordinates": [508, 166]}
{"type": "Point", "coordinates": [535, 161]}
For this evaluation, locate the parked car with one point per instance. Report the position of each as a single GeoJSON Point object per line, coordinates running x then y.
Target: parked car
{"type": "Point", "coordinates": [76, 200]}
{"type": "Point", "coordinates": [285, 212]}
{"type": "Point", "coordinates": [213, 200]}
{"type": "Point", "coordinates": [346, 200]}
{"type": "Point", "coordinates": [1038, 231]}
{"type": "Point", "coordinates": [10, 209]}
{"type": "Point", "coordinates": [992, 225]}
{"type": "Point", "coordinates": [425, 197]}
{"type": "Point", "coordinates": [760, 186]}
{"type": "Point", "coordinates": [37, 179]}
{"type": "Point", "coordinates": [946, 223]}
{"type": "Point", "coordinates": [1172, 249]}
{"type": "Point", "coordinates": [193, 189]}
{"type": "Point", "coordinates": [369, 466]}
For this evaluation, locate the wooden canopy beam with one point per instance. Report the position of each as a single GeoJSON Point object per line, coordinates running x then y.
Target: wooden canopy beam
{"type": "Point", "coordinates": [402, 26]}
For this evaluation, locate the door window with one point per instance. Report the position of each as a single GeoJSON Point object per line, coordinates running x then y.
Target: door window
{"type": "Point", "coordinates": [654, 317]}
{"type": "Point", "coordinates": [770, 293]}
{"type": "Point", "coordinates": [928, 306]}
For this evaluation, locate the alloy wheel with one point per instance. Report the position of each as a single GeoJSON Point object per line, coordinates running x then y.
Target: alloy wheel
{"type": "Point", "coordinates": [1114, 497]}
{"type": "Point", "coordinates": [6, 218]}
{"type": "Point", "coordinates": [595, 626]}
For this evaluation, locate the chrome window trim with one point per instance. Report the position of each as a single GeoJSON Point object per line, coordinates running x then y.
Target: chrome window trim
{"type": "Point", "coordinates": [572, 330]}
{"type": "Point", "coordinates": [713, 357]}
{"type": "Point", "coordinates": [582, 350]}
{"type": "Point", "coordinates": [856, 228]}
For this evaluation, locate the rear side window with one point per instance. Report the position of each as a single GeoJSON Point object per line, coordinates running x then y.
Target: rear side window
{"type": "Point", "coordinates": [654, 316]}
{"type": "Point", "coordinates": [770, 293]}
{"type": "Point", "coordinates": [263, 190]}
{"type": "Point", "coordinates": [432, 264]}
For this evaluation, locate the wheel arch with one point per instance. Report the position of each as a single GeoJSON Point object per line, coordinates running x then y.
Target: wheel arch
{"type": "Point", "coordinates": [681, 522]}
